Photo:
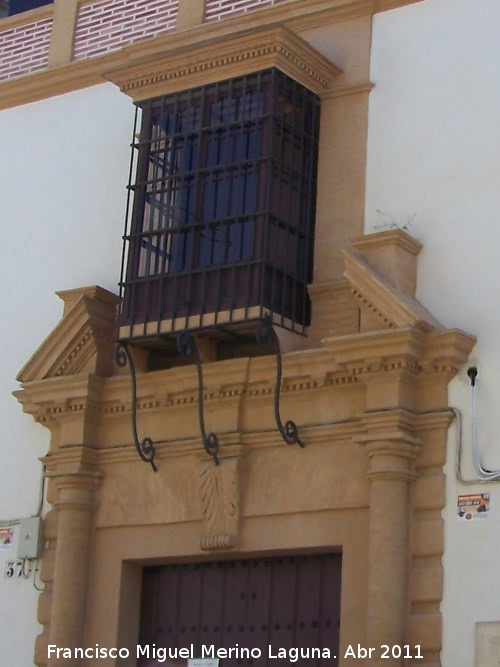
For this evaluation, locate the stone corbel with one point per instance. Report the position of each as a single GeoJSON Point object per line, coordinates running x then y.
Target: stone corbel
{"type": "Point", "coordinates": [220, 500]}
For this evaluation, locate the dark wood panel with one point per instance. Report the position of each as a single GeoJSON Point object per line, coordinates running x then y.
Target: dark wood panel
{"type": "Point", "coordinates": [288, 603]}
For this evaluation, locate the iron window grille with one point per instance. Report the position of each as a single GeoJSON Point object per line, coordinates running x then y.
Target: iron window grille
{"type": "Point", "coordinates": [221, 208]}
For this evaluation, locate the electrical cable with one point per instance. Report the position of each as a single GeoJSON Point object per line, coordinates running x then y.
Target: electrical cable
{"type": "Point", "coordinates": [15, 522]}
{"type": "Point", "coordinates": [483, 475]}
{"type": "Point", "coordinates": [35, 586]}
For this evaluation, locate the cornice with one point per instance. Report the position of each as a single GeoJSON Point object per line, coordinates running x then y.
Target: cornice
{"type": "Point", "coordinates": [437, 419]}
{"type": "Point", "coordinates": [345, 359]}
{"type": "Point", "coordinates": [55, 399]}
{"type": "Point", "coordinates": [323, 434]}
{"type": "Point", "coordinates": [397, 421]}
{"type": "Point", "coordinates": [450, 348]}
{"type": "Point", "coordinates": [298, 16]}
{"type": "Point", "coordinates": [76, 459]}
{"type": "Point", "coordinates": [392, 426]}
{"type": "Point", "coordinates": [392, 306]}
{"type": "Point", "coordinates": [376, 348]}
{"type": "Point", "coordinates": [396, 237]}
{"type": "Point", "coordinates": [391, 474]}
{"type": "Point", "coordinates": [407, 349]}
{"type": "Point", "coordinates": [86, 330]}
{"type": "Point", "coordinates": [226, 383]}
{"type": "Point", "coordinates": [326, 288]}
{"type": "Point", "coordinates": [257, 50]}
{"type": "Point", "coordinates": [344, 91]}
{"type": "Point", "coordinates": [79, 461]}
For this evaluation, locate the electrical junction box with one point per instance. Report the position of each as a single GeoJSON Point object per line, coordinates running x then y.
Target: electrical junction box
{"type": "Point", "coordinates": [30, 542]}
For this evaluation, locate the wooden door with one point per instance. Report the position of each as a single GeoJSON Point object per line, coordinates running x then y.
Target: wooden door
{"type": "Point", "coordinates": [253, 608]}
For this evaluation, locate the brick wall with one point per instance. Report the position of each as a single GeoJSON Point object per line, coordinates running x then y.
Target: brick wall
{"type": "Point", "coordinates": [215, 10]}
{"type": "Point", "coordinates": [108, 25]}
{"type": "Point", "coordinates": [24, 49]}
{"type": "Point", "coordinates": [104, 26]}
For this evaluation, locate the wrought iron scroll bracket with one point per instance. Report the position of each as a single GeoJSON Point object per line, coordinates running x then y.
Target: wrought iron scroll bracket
{"type": "Point", "coordinates": [186, 345]}
{"type": "Point", "coordinates": [145, 447]}
{"type": "Point", "coordinates": [266, 337]}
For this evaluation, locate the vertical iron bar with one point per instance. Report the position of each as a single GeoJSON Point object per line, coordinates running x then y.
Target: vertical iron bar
{"type": "Point", "coordinates": [187, 347]}
{"type": "Point", "coordinates": [145, 448]}
{"type": "Point", "coordinates": [266, 337]}
{"type": "Point", "coordinates": [124, 281]}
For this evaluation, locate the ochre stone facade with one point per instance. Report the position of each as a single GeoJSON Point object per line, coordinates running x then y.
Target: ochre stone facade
{"type": "Point", "coordinates": [372, 411]}
{"type": "Point", "coordinates": [367, 388]}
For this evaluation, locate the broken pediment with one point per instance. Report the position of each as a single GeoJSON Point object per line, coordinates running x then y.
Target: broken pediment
{"type": "Point", "coordinates": [381, 271]}
{"type": "Point", "coordinates": [82, 342]}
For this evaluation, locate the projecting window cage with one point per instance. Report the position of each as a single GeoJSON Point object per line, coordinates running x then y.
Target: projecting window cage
{"type": "Point", "coordinates": [221, 227]}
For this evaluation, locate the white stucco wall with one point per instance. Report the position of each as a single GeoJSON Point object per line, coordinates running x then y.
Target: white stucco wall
{"type": "Point", "coordinates": [63, 176]}
{"type": "Point", "coordinates": [434, 156]}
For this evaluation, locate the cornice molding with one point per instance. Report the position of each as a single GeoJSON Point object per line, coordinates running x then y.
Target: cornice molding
{"type": "Point", "coordinates": [344, 91]}
{"type": "Point", "coordinates": [439, 419]}
{"type": "Point", "coordinates": [298, 16]}
{"type": "Point", "coordinates": [77, 464]}
{"type": "Point", "coordinates": [446, 352]}
{"type": "Point", "coordinates": [71, 460]}
{"type": "Point", "coordinates": [376, 348]}
{"type": "Point", "coordinates": [344, 362]}
{"type": "Point", "coordinates": [86, 331]}
{"type": "Point", "coordinates": [258, 50]}
{"type": "Point", "coordinates": [396, 237]}
{"type": "Point", "coordinates": [392, 306]}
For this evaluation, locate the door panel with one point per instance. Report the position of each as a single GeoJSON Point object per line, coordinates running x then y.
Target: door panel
{"type": "Point", "coordinates": [286, 602]}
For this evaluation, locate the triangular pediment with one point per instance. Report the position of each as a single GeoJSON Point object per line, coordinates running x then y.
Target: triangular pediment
{"type": "Point", "coordinates": [82, 342]}
{"type": "Point", "coordinates": [384, 287]}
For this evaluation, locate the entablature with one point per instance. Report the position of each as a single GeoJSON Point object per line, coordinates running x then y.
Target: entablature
{"type": "Point", "coordinates": [254, 51]}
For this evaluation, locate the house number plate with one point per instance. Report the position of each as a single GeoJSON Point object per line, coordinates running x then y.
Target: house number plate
{"type": "Point", "coordinates": [17, 569]}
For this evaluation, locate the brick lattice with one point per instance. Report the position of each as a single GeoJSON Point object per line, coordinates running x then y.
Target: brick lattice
{"type": "Point", "coordinates": [108, 25]}
{"type": "Point", "coordinates": [215, 10]}
{"type": "Point", "coordinates": [24, 49]}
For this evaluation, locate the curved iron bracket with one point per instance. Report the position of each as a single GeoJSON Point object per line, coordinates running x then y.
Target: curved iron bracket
{"type": "Point", "coordinates": [186, 345]}
{"type": "Point", "coordinates": [145, 448]}
{"type": "Point", "coordinates": [266, 337]}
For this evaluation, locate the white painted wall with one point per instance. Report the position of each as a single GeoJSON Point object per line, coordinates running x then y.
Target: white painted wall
{"type": "Point", "coordinates": [63, 176]}
{"type": "Point", "coordinates": [434, 153]}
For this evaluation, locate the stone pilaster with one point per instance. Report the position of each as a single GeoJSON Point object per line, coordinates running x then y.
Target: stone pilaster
{"type": "Point", "coordinates": [63, 31]}
{"type": "Point", "coordinates": [392, 451]}
{"type": "Point", "coordinates": [75, 507]}
{"type": "Point", "coordinates": [191, 13]}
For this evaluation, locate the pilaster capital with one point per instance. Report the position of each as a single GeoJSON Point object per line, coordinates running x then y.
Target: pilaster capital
{"type": "Point", "coordinates": [391, 474]}
{"type": "Point", "coordinates": [390, 445]}
{"type": "Point", "coordinates": [83, 480]}
{"type": "Point", "coordinates": [76, 491]}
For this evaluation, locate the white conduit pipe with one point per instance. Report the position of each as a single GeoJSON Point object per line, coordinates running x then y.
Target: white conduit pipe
{"type": "Point", "coordinates": [483, 475]}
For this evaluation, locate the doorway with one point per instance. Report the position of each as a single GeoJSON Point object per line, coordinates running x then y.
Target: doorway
{"type": "Point", "coordinates": [265, 612]}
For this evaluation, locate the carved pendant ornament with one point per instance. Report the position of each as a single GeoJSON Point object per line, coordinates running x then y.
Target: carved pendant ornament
{"type": "Point", "coordinates": [220, 500]}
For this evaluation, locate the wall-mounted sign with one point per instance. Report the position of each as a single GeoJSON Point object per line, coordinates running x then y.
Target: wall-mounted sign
{"type": "Point", "coordinates": [473, 506]}
{"type": "Point", "coordinates": [6, 537]}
